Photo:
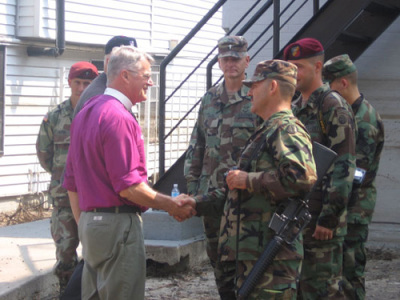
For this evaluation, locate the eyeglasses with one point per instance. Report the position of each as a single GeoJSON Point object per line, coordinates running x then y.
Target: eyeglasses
{"type": "Point", "coordinates": [146, 77]}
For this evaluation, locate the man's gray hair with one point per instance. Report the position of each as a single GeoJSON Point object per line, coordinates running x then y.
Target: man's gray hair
{"type": "Point", "coordinates": [125, 57]}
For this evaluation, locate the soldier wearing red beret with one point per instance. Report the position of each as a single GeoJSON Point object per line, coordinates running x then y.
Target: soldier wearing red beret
{"type": "Point", "coordinates": [330, 121]}
{"type": "Point", "coordinates": [52, 148]}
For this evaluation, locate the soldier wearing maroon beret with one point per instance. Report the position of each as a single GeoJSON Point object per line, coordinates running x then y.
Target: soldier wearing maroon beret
{"type": "Point", "coordinates": [330, 121]}
{"type": "Point", "coordinates": [52, 149]}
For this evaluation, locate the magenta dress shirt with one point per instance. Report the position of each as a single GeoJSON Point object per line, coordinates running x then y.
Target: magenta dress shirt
{"type": "Point", "coordinates": [106, 153]}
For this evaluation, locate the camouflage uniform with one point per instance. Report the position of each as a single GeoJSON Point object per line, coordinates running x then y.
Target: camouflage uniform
{"type": "Point", "coordinates": [283, 168]}
{"type": "Point", "coordinates": [52, 148]}
{"type": "Point", "coordinates": [369, 145]}
{"type": "Point", "coordinates": [321, 275]}
{"type": "Point", "coordinates": [361, 205]}
{"type": "Point", "coordinates": [223, 126]}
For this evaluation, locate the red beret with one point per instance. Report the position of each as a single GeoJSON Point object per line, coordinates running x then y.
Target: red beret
{"type": "Point", "coordinates": [83, 70]}
{"type": "Point", "coordinates": [303, 48]}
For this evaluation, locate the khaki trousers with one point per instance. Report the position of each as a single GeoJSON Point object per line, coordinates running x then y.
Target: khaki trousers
{"type": "Point", "coordinates": [114, 254]}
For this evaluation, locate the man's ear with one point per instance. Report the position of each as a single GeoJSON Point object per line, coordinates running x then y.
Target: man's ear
{"type": "Point", "coordinates": [125, 76]}
{"type": "Point", "coordinates": [247, 61]}
{"type": "Point", "coordinates": [69, 82]}
{"type": "Point", "coordinates": [344, 82]}
{"type": "Point", "coordinates": [318, 66]}
{"type": "Point", "coordinates": [273, 86]}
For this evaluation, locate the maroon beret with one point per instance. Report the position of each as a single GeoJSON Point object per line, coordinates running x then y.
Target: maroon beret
{"type": "Point", "coordinates": [83, 70]}
{"type": "Point", "coordinates": [303, 48]}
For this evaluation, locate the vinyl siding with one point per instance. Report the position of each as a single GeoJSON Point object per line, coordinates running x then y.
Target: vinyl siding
{"type": "Point", "coordinates": [35, 85]}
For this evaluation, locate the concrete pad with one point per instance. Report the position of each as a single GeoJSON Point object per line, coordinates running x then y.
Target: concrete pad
{"type": "Point", "coordinates": [27, 256]}
{"type": "Point", "coordinates": [159, 225]}
{"type": "Point", "coordinates": [191, 251]}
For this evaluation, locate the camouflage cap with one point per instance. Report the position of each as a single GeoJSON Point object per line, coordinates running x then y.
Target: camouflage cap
{"type": "Point", "coordinates": [337, 67]}
{"type": "Point", "coordinates": [234, 46]}
{"type": "Point", "coordinates": [274, 69]}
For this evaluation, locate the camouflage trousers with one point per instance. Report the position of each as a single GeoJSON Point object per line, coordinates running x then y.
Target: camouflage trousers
{"type": "Point", "coordinates": [278, 282]}
{"type": "Point", "coordinates": [354, 261]}
{"type": "Point", "coordinates": [224, 272]}
{"type": "Point", "coordinates": [65, 235]}
{"type": "Point", "coordinates": [321, 274]}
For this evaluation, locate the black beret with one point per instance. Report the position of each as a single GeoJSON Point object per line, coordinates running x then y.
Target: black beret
{"type": "Point", "coordinates": [118, 41]}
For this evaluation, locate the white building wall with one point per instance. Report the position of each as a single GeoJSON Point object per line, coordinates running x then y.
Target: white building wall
{"type": "Point", "coordinates": [34, 85]}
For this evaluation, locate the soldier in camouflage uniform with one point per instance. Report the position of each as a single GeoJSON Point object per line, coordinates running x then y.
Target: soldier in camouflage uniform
{"type": "Point", "coordinates": [341, 74]}
{"type": "Point", "coordinates": [52, 148]}
{"type": "Point", "coordinates": [224, 124]}
{"type": "Point", "coordinates": [330, 121]}
{"type": "Point", "coordinates": [277, 163]}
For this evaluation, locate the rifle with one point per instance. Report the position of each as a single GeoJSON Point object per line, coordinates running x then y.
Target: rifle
{"type": "Point", "coordinates": [288, 222]}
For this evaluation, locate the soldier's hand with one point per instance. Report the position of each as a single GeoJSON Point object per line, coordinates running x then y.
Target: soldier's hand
{"type": "Point", "coordinates": [185, 208]}
{"type": "Point", "coordinates": [322, 233]}
{"type": "Point", "coordinates": [236, 179]}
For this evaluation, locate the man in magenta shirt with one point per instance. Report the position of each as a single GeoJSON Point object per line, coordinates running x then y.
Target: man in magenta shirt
{"type": "Point", "coordinates": [106, 179]}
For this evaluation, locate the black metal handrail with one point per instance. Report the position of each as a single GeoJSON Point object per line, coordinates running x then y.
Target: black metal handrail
{"type": "Point", "coordinates": [167, 60]}
{"type": "Point", "coordinates": [276, 36]}
{"type": "Point", "coordinates": [276, 30]}
{"type": "Point", "coordinates": [202, 61]}
{"type": "Point", "coordinates": [163, 67]}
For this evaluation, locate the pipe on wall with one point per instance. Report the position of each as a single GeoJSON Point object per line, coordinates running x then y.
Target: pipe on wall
{"type": "Point", "coordinates": [60, 35]}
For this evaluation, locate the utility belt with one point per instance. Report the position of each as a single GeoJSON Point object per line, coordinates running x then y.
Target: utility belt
{"type": "Point", "coordinates": [118, 209]}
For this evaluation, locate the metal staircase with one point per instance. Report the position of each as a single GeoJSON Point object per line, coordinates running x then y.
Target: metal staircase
{"type": "Point", "coordinates": [342, 26]}
{"type": "Point", "coordinates": [350, 27]}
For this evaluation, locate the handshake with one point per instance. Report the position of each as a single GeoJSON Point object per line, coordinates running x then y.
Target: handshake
{"type": "Point", "coordinates": [182, 207]}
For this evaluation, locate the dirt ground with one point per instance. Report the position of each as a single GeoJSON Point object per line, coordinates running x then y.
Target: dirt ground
{"type": "Point", "coordinates": [382, 281]}
{"type": "Point", "coordinates": [382, 272]}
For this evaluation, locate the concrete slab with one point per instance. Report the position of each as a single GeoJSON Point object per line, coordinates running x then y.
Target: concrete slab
{"type": "Point", "coordinates": [27, 256]}
{"type": "Point", "coordinates": [159, 225]}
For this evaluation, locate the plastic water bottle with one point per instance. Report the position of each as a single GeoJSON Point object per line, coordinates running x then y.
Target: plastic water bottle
{"type": "Point", "coordinates": [175, 191]}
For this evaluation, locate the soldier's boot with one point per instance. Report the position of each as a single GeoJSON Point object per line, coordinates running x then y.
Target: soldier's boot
{"type": "Point", "coordinates": [63, 284]}
{"type": "Point", "coordinates": [64, 273]}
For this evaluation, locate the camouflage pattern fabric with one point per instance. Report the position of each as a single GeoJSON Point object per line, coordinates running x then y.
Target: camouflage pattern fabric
{"type": "Point", "coordinates": [369, 145]}
{"type": "Point", "coordinates": [284, 168]}
{"type": "Point", "coordinates": [354, 261]}
{"type": "Point", "coordinates": [324, 258]}
{"type": "Point", "coordinates": [52, 147]}
{"type": "Point", "coordinates": [279, 271]}
{"type": "Point", "coordinates": [232, 46]}
{"type": "Point", "coordinates": [338, 67]}
{"type": "Point", "coordinates": [328, 203]}
{"type": "Point", "coordinates": [65, 235]}
{"type": "Point", "coordinates": [223, 126]}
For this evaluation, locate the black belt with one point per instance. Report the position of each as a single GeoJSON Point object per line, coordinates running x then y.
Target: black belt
{"type": "Point", "coordinates": [118, 209]}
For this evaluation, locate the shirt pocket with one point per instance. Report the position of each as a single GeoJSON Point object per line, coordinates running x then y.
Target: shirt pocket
{"type": "Point", "coordinates": [242, 128]}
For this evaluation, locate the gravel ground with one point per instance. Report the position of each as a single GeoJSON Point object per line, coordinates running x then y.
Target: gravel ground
{"type": "Point", "coordinates": [382, 281]}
